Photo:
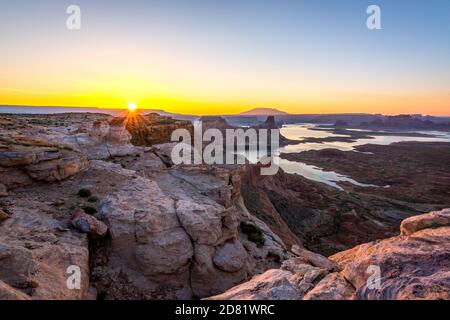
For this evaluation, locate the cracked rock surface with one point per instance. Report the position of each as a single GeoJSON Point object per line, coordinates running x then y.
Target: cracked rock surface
{"type": "Point", "coordinates": [412, 266]}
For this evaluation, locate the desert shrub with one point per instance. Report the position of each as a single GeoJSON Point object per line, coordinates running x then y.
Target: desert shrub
{"type": "Point", "coordinates": [93, 199]}
{"type": "Point", "coordinates": [254, 234]}
{"type": "Point", "coordinates": [90, 210]}
{"type": "Point", "coordinates": [84, 193]}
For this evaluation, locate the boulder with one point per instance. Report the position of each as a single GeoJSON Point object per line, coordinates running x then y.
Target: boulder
{"type": "Point", "coordinates": [230, 257]}
{"type": "Point", "coordinates": [291, 282]}
{"type": "Point", "coordinates": [202, 221]}
{"type": "Point", "coordinates": [56, 170]}
{"type": "Point", "coordinates": [314, 259]}
{"type": "Point", "coordinates": [274, 284]}
{"type": "Point", "coordinates": [88, 224]}
{"type": "Point", "coordinates": [207, 278]}
{"type": "Point", "coordinates": [431, 220]}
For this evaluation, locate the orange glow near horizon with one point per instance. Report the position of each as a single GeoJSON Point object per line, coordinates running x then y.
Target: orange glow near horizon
{"type": "Point", "coordinates": [306, 103]}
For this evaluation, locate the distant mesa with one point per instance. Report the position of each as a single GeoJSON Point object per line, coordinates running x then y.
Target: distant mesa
{"type": "Point", "coordinates": [263, 112]}
{"type": "Point", "coordinates": [405, 121]}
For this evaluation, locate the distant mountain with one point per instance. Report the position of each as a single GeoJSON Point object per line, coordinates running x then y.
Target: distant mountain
{"type": "Point", "coordinates": [263, 112]}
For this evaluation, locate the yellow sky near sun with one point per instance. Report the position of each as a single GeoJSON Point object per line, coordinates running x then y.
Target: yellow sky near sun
{"type": "Point", "coordinates": [181, 102]}
{"type": "Point", "coordinates": [98, 75]}
{"type": "Point", "coordinates": [113, 79]}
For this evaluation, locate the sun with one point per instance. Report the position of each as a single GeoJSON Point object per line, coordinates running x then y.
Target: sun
{"type": "Point", "coordinates": [132, 107]}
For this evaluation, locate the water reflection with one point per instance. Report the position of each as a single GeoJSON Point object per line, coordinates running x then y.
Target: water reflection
{"type": "Point", "coordinates": [331, 178]}
{"type": "Point", "coordinates": [306, 130]}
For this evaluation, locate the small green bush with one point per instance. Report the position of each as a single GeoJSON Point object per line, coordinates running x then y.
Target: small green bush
{"type": "Point", "coordinates": [93, 199]}
{"type": "Point", "coordinates": [84, 193]}
{"type": "Point", "coordinates": [254, 234]}
{"type": "Point", "coordinates": [90, 210]}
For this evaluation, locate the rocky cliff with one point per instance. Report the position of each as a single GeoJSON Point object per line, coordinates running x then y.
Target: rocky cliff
{"type": "Point", "coordinates": [413, 265]}
{"type": "Point", "coordinates": [151, 129]}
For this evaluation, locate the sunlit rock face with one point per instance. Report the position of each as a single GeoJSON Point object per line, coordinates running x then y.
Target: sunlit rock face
{"type": "Point", "coordinates": [432, 220]}
{"type": "Point", "coordinates": [176, 236]}
{"type": "Point", "coordinates": [414, 265]}
{"type": "Point", "coordinates": [51, 154]}
{"type": "Point", "coordinates": [25, 159]}
{"type": "Point", "coordinates": [151, 129]}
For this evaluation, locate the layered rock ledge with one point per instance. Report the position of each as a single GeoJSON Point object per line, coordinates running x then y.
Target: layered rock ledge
{"type": "Point", "coordinates": [413, 265]}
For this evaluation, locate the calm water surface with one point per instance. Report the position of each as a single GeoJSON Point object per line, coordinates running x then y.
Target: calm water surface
{"type": "Point", "coordinates": [301, 131]}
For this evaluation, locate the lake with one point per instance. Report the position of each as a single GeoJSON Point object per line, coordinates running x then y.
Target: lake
{"type": "Point", "coordinates": [331, 178]}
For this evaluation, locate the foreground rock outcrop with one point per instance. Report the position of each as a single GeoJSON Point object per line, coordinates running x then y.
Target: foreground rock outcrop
{"type": "Point", "coordinates": [30, 153]}
{"type": "Point", "coordinates": [36, 251]}
{"type": "Point", "coordinates": [412, 266]}
{"type": "Point", "coordinates": [135, 226]}
{"type": "Point", "coordinates": [177, 236]}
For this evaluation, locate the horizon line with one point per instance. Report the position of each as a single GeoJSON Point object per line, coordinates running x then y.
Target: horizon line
{"type": "Point", "coordinates": [223, 114]}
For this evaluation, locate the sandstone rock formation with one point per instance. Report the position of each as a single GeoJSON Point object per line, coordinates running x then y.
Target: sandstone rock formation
{"type": "Point", "coordinates": [432, 220]}
{"type": "Point", "coordinates": [291, 282]}
{"type": "Point", "coordinates": [176, 235]}
{"type": "Point", "coordinates": [151, 129]}
{"type": "Point", "coordinates": [270, 123]}
{"type": "Point", "coordinates": [413, 266]}
{"type": "Point", "coordinates": [36, 251]}
{"type": "Point", "coordinates": [35, 153]}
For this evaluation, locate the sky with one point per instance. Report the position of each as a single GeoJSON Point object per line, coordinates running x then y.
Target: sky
{"type": "Point", "coordinates": [224, 57]}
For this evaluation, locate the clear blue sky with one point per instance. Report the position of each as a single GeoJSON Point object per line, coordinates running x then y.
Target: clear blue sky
{"type": "Point", "coordinates": [297, 55]}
